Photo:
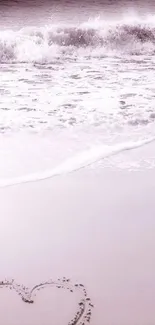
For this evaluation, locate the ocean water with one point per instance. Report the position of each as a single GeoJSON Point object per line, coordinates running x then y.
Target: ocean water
{"type": "Point", "coordinates": [76, 87]}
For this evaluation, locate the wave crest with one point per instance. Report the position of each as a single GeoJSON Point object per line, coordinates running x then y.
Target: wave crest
{"type": "Point", "coordinates": [36, 44]}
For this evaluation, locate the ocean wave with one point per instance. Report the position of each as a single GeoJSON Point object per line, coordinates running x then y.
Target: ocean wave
{"type": "Point", "coordinates": [32, 44]}
{"type": "Point", "coordinates": [77, 162]}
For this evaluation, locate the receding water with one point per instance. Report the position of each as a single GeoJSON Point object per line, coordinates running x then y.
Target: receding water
{"type": "Point", "coordinates": [73, 77]}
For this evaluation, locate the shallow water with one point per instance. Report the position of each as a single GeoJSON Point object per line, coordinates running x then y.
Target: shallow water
{"type": "Point", "coordinates": [77, 91]}
{"type": "Point", "coordinates": [73, 77]}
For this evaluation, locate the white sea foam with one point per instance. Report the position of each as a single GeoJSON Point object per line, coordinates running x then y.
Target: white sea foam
{"type": "Point", "coordinates": [42, 44]}
{"type": "Point", "coordinates": [77, 162]}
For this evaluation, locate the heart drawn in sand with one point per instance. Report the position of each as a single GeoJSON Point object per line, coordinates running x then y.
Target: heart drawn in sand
{"type": "Point", "coordinates": [84, 309]}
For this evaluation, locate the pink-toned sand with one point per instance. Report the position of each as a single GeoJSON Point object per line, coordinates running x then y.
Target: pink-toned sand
{"type": "Point", "coordinates": [94, 228]}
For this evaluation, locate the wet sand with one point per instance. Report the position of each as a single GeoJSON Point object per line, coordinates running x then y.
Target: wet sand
{"type": "Point", "coordinates": [96, 228]}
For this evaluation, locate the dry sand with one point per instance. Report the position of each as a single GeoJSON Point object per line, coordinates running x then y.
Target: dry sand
{"type": "Point", "coordinates": [93, 228]}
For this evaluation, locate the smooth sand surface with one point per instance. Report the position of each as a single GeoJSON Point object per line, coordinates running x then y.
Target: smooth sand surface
{"type": "Point", "coordinates": [94, 228]}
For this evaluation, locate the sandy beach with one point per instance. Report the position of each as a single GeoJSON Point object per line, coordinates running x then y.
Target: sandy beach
{"type": "Point", "coordinates": [77, 162]}
{"type": "Point", "coordinates": [95, 228]}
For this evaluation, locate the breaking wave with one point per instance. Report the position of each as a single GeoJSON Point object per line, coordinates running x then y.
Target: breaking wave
{"type": "Point", "coordinates": [99, 38]}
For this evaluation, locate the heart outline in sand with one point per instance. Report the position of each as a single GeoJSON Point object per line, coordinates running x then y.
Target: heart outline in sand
{"type": "Point", "coordinates": [84, 312]}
